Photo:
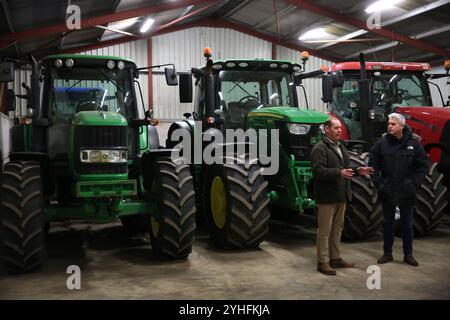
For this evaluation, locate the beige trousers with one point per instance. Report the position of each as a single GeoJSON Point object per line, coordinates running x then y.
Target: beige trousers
{"type": "Point", "coordinates": [330, 224]}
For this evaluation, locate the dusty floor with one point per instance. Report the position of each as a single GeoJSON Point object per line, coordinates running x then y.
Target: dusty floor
{"type": "Point", "coordinates": [113, 266]}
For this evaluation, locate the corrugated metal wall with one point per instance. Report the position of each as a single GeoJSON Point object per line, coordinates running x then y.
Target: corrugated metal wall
{"type": "Point", "coordinates": [20, 75]}
{"type": "Point", "coordinates": [5, 141]}
{"type": "Point", "coordinates": [442, 83]}
{"type": "Point", "coordinates": [313, 86]}
{"type": "Point", "coordinates": [185, 49]}
{"type": "Point", "coordinates": [135, 50]}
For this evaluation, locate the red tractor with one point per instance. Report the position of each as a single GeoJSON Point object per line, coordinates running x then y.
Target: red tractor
{"type": "Point", "coordinates": [362, 95]}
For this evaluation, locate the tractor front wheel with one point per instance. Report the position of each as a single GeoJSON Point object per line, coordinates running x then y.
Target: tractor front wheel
{"type": "Point", "coordinates": [236, 204]}
{"type": "Point", "coordinates": [172, 231]}
{"type": "Point", "coordinates": [22, 223]}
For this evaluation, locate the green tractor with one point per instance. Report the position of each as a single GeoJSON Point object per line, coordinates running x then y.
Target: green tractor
{"type": "Point", "coordinates": [85, 151]}
{"type": "Point", "coordinates": [254, 94]}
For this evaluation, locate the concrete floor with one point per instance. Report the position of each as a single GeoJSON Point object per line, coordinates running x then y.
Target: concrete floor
{"type": "Point", "coordinates": [114, 266]}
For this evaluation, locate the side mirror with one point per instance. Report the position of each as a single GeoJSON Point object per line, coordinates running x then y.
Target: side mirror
{"type": "Point", "coordinates": [185, 88]}
{"type": "Point", "coordinates": [337, 78]}
{"type": "Point", "coordinates": [10, 100]}
{"type": "Point", "coordinates": [171, 76]}
{"type": "Point", "coordinates": [6, 71]}
{"type": "Point", "coordinates": [327, 89]}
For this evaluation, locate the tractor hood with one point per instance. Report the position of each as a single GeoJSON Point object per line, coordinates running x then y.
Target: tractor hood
{"type": "Point", "coordinates": [99, 118]}
{"type": "Point", "coordinates": [290, 114]}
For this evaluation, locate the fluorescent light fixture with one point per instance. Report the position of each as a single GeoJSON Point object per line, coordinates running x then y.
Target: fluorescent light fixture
{"type": "Point", "coordinates": [381, 5]}
{"type": "Point", "coordinates": [318, 33]}
{"type": "Point", "coordinates": [123, 24]}
{"type": "Point", "coordinates": [147, 24]}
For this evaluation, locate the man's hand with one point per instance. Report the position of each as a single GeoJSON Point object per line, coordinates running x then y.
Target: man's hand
{"type": "Point", "coordinates": [365, 171]}
{"type": "Point", "coordinates": [347, 173]}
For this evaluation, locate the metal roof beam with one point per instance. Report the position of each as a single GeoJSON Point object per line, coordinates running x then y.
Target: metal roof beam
{"type": "Point", "coordinates": [362, 25]}
{"type": "Point", "coordinates": [10, 25]}
{"type": "Point", "coordinates": [394, 43]}
{"type": "Point", "coordinates": [405, 16]}
{"type": "Point", "coordinates": [214, 23]}
{"type": "Point", "coordinates": [231, 7]}
{"type": "Point", "coordinates": [99, 20]}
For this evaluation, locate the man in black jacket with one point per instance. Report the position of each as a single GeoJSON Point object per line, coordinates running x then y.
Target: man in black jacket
{"type": "Point", "coordinates": [400, 165]}
{"type": "Point", "coordinates": [332, 174]}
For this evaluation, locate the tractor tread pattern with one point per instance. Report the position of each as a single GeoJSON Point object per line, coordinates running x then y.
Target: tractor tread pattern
{"type": "Point", "coordinates": [177, 210]}
{"type": "Point", "coordinates": [248, 203]}
{"type": "Point", "coordinates": [22, 222]}
{"type": "Point", "coordinates": [364, 213]}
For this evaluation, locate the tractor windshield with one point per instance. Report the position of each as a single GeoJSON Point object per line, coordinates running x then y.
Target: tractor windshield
{"type": "Point", "coordinates": [242, 91]}
{"type": "Point", "coordinates": [90, 89]}
{"type": "Point", "coordinates": [389, 91]}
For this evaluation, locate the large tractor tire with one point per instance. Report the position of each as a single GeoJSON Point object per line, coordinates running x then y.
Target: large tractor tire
{"type": "Point", "coordinates": [236, 209]}
{"type": "Point", "coordinates": [22, 222]}
{"type": "Point", "coordinates": [364, 213]}
{"type": "Point", "coordinates": [431, 201]}
{"type": "Point", "coordinates": [172, 233]}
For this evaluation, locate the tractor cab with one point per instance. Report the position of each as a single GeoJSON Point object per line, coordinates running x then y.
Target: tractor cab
{"type": "Point", "coordinates": [392, 85]}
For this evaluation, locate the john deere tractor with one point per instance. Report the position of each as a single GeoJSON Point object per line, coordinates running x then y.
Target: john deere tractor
{"type": "Point", "coordinates": [249, 94]}
{"type": "Point", "coordinates": [86, 151]}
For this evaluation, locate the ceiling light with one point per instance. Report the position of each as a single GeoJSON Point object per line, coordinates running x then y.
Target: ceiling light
{"type": "Point", "coordinates": [318, 33]}
{"type": "Point", "coordinates": [381, 5]}
{"type": "Point", "coordinates": [147, 24]}
{"type": "Point", "coordinates": [124, 24]}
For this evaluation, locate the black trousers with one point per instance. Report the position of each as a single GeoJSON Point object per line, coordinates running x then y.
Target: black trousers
{"type": "Point", "coordinates": [406, 215]}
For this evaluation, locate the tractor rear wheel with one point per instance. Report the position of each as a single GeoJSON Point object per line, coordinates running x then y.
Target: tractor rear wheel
{"type": "Point", "coordinates": [236, 208]}
{"type": "Point", "coordinates": [431, 202]}
{"type": "Point", "coordinates": [22, 222]}
{"type": "Point", "coordinates": [364, 214]}
{"type": "Point", "coordinates": [172, 232]}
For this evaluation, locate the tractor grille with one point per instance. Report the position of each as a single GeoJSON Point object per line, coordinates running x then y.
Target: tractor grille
{"type": "Point", "coordinates": [97, 138]}
{"type": "Point", "coordinates": [298, 145]}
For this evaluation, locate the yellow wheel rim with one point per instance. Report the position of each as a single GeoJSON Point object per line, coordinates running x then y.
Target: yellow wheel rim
{"type": "Point", "coordinates": [218, 202]}
{"type": "Point", "coordinates": [155, 227]}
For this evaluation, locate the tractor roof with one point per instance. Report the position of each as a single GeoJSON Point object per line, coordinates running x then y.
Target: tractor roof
{"type": "Point", "coordinates": [243, 64]}
{"type": "Point", "coordinates": [85, 56]}
{"type": "Point", "coordinates": [390, 66]}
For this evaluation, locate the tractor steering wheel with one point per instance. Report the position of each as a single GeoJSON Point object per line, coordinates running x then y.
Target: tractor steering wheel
{"type": "Point", "coordinates": [88, 105]}
{"type": "Point", "coordinates": [249, 97]}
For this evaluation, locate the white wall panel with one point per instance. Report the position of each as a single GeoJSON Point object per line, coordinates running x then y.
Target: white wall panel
{"type": "Point", "coordinates": [185, 49]}
{"type": "Point", "coordinates": [313, 86]}
{"type": "Point", "coordinates": [442, 83]}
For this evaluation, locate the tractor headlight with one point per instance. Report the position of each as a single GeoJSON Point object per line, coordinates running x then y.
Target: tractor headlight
{"type": "Point", "coordinates": [69, 63]}
{"type": "Point", "coordinates": [110, 64]}
{"type": "Point", "coordinates": [95, 156]}
{"type": "Point", "coordinates": [114, 156]}
{"type": "Point", "coordinates": [108, 156]}
{"type": "Point", "coordinates": [120, 65]}
{"type": "Point", "coordinates": [298, 128]}
{"type": "Point", "coordinates": [58, 63]}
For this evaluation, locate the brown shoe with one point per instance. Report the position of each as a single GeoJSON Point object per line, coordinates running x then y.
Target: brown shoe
{"type": "Point", "coordinates": [385, 258]}
{"type": "Point", "coordinates": [340, 263]}
{"type": "Point", "coordinates": [326, 269]}
{"type": "Point", "coordinates": [411, 261]}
